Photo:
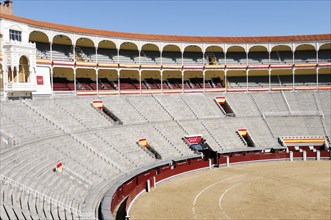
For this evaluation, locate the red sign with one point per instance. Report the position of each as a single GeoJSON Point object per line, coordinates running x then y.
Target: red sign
{"type": "Point", "coordinates": [193, 139]}
{"type": "Point", "coordinates": [59, 165]}
{"type": "Point", "coordinates": [40, 80]}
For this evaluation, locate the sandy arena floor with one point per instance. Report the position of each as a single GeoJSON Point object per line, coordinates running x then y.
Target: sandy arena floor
{"type": "Point", "coordinates": [280, 190]}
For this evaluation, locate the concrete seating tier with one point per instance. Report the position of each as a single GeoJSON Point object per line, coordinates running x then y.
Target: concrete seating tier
{"type": "Point", "coordinates": [95, 151]}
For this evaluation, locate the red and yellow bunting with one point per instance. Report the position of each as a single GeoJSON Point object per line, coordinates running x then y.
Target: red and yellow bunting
{"type": "Point", "coordinates": [193, 67]}
{"type": "Point", "coordinates": [63, 63]}
{"type": "Point", "coordinates": [44, 62]}
{"type": "Point", "coordinates": [281, 66]}
{"type": "Point", "coordinates": [98, 104]}
{"type": "Point", "coordinates": [242, 131]}
{"type": "Point", "coordinates": [108, 65]}
{"type": "Point", "coordinates": [262, 66]}
{"type": "Point", "coordinates": [129, 65]}
{"type": "Point", "coordinates": [236, 66]}
{"type": "Point", "coordinates": [324, 64]}
{"type": "Point", "coordinates": [214, 67]}
{"type": "Point", "coordinates": [220, 100]}
{"type": "Point", "coordinates": [303, 65]}
{"type": "Point", "coordinates": [143, 142]}
{"type": "Point", "coordinates": [86, 64]}
{"type": "Point", "coordinates": [150, 66]}
{"type": "Point", "coordinates": [172, 67]}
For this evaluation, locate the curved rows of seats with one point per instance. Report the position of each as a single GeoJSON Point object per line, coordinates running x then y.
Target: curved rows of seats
{"type": "Point", "coordinates": [89, 54]}
{"type": "Point", "coordinates": [94, 150]}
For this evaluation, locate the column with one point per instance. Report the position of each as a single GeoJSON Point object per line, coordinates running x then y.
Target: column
{"type": "Point", "coordinates": [269, 70]}
{"type": "Point", "coordinates": [52, 81]}
{"type": "Point", "coordinates": [247, 71]}
{"type": "Point", "coordinates": [204, 80]}
{"type": "Point", "coordinates": [293, 69]}
{"type": "Point", "coordinates": [183, 72]}
{"type": "Point", "coordinates": [17, 70]}
{"type": "Point", "coordinates": [51, 50]}
{"type": "Point", "coordinates": [96, 54]}
{"type": "Point", "coordinates": [317, 80]}
{"type": "Point", "coordinates": [225, 80]}
{"type": "Point", "coordinates": [5, 81]}
{"type": "Point", "coordinates": [118, 81]}
{"type": "Point", "coordinates": [74, 52]}
{"type": "Point", "coordinates": [225, 58]}
{"type": "Point", "coordinates": [317, 69]}
{"type": "Point", "coordinates": [139, 80]}
{"type": "Point", "coordinates": [97, 80]}
{"type": "Point", "coordinates": [293, 73]}
{"type": "Point", "coordinates": [118, 56]}
{"type": "Point", "coordinates": [161, 79]}
{"type": "Point", "coordinates": [75, 80]}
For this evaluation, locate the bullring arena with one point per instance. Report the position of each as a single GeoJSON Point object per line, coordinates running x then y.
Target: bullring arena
{"type": "Point", "coordinates": [107, 125]}
{"type": "Point", "coordinates": [281, 190]}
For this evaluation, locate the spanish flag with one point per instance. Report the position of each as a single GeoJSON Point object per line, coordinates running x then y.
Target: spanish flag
{"type": "Point", "coordinates": [98, 104]}
{"type": "Point", "coordinates": [220, 100]}
{"type": "Point", "coordinates": [59, 167]}
{"type": "Point", "coordinates": [242, 131]}
{"type": "Point", "coordinates": [143, 142]}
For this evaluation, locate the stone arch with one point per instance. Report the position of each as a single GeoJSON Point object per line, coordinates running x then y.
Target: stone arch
{"type": "Point", "coordinates": [236, 55]}
{"type": "Point", "coordinates": [24, 72]}
{"type": "Point", "coordinates": [324, 52]}
{"type": "Point", "coordinates": [150, 54]}
{"type": "Point", "coordinates": [281, 53]}
{"type": "Point", "coordinates": [128, 52]}
{"type": "Point", "coordinates": [305, 53]}
{"type": "Point", "coordinates": [214, 55]}
{"type": "Point", "coordinates": [258, 54]}
{"type": "Point", "coordinates": [85, 49]}
{"type": "Point", "coordinates": [107, 51]}
{"type": "Point", "coordinates": [42, 44]}
{"type": "Point", "coordinates": [192, 55]}
{"type": "Point", "coordinates": [171, 54]}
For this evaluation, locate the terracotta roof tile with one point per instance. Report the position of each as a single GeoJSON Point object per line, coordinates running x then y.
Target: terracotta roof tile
{"type": "Point", "coordinates": [159, 37]}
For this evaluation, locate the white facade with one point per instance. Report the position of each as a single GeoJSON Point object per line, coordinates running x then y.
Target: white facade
{"type": "Point", "coordinates": [39, 78]}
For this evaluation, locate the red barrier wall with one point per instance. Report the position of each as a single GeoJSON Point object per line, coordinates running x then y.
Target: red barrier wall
{"type": "Point", "coordinates": [222, 160]}
{"type": "Point", "coordinates": [137, 184]}
{"type": "Point", "coordinates": [304, 148]}
{"type": "Point", "coordinates": [165, 174]}
{"type": "Point", "coordinates": [164, 169]}
{"type": "Point", "coordinates": [324, 153]}
{"type": "Point", "coordinates": [297, 154]}
{"type": "Point", "coordinates": [129, 186]}
{"type": "Point", "coordinates": [291, 148]}
{"type": "Point", "coordinates": [311, 154]}
{"type": "Point", "coordinates": [134, 193]}
{"type": "Point", "coordinates": [142, 178]}
{"type": "Point", "coordinates": [114, 201]}
{"type": "Point", "coordinates": [245, 157]}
